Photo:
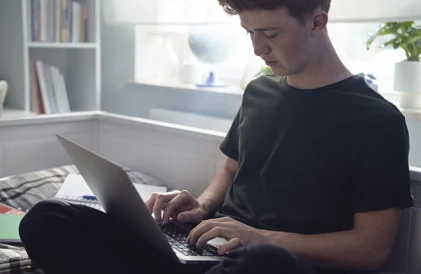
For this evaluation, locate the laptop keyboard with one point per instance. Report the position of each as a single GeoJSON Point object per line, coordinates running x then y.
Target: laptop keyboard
{"type": "Point", "coordinates": [79, 201]}
{"type": "Point", "coordinates": [175, 235]}
{"type": "Point", "coordinates": [178, 240]}
{"type": "Point", "coordinates": [93, 205]}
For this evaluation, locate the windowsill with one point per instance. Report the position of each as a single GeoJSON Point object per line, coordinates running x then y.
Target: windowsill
{"type": "Point", "coordinates": [234, 90]}
{"type": "Point", "coordinates": [394, 98]}
{"type": "Point", "coordinates": [411, 113]}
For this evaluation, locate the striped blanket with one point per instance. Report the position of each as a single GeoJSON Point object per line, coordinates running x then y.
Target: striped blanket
{"type": "Point", "coordinates": [25, 190]}
{"type": "Point", "coordinates": [15, 260]}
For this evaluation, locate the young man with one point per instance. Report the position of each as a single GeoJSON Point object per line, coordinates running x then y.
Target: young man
{"type": "Point", "coordinates": [316, 175]}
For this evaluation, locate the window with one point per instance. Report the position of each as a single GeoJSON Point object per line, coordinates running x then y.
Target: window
{"type": "Point", "coordinates": [164, 58]}
{"type": "Point", "coordinates": [349, 40]}
{"type": "Point", "coordinates": [164, 55]}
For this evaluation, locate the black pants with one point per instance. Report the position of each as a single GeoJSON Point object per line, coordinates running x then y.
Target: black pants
{"type": "Point", "coordinates": [63, 238]}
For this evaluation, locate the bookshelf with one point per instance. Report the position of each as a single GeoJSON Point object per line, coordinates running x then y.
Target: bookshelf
{"type": "Point", "coordinates": [78, 61]}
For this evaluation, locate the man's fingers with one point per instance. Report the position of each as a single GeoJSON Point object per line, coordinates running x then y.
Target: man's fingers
{"type": "Point", "coordinates": [225, 219]}
{"type": "Point", "coordinates": [201, 228]}
{"type": "Point", "coordinates": [213, 233]}
{"type": "Point", "coordinates": [208, 225]}
{"type": "Point", "coordinates": [192, 216]}
{"type": "Point", "coordinates": [230, 245]}
{"type": "Point", "coordinates": [174, 205]}
{"type": "Point", "coordinates": [160, 201]}
{"type": "Point", "coordinates": [151, 202]}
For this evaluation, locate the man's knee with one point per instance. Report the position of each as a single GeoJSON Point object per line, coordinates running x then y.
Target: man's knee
{"type": "Point", "coordinates": [36, 220]}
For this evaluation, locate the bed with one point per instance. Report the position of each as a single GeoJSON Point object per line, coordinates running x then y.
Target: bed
{"type": "Point", "coordinates": [25, 190]}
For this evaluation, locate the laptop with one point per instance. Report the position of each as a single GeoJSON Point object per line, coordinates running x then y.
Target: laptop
{"type": "Point", "coordinates": [118, 197]}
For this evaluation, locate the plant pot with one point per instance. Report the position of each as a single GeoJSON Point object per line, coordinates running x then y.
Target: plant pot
{"type": "Point", "coordinates": [3, 92]}
{"type": "Point", "coordinates": [408, 82]}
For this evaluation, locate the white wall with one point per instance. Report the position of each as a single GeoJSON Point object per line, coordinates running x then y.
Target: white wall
{"type": "Point", "coordinates": [414, 127]}
{"type": "Point", "coordinates": [375, 10]}
{"type": "Point", "coordinates": [30, 145]}
{"type": "Point", "coordinates": [181, 158]}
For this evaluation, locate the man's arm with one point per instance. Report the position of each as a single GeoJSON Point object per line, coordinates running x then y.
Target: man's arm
{"type": "Point", "coordinates": [213, 196]}
{"type": "Point", "coordinates": [367, 246]}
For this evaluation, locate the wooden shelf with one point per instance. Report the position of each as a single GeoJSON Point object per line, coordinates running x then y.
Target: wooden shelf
{"type": "Point", "coordinates": [10, 113]}
{"type": "Point", "coordinates": [62, 45]}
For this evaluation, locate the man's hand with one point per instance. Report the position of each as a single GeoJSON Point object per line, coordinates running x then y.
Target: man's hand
{"type": "Point", "coordinates": [178, 205]}
{"type": "Point", "coordinates": [236, 233]}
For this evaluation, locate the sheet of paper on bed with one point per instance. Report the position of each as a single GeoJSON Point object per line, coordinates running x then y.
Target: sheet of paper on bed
{"type": "Point", "coordinates": [75, 186]}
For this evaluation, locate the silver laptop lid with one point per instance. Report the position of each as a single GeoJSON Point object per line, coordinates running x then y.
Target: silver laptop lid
{"type": "Point", "coordinates": [117, 195]}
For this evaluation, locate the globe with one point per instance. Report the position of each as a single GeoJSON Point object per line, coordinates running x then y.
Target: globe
{"type": "Point", "coordinates": [211, 44]}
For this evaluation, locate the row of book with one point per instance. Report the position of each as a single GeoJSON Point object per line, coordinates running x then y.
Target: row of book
{"type": "Point", "coordinates": [48, 89]}
{"type": "Point", "coordinates": [59, 21]}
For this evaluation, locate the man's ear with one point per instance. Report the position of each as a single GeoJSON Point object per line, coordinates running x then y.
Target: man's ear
{"type": "Point", "coordinates": [320, 19]}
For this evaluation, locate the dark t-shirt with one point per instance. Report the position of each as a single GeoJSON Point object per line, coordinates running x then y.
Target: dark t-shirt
{"type": "Point", "coordinates": [310, 159]}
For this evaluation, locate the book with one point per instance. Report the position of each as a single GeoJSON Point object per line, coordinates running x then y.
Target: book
{"type": "Point", "coordinates": [75, 188]}
{"type": "Point", "coordinates": [10, 219]}
{"type": "Point", "coordinates": [48, 88]}
{"type": "Point", "coordinates": [43, 87]}
{"type": "Point", "coordinates": [38, 106]}
{"type": "Point", "coordinates": [5, 209]}
{"type": "Point", "coordinates": [9, 228]}
{"type": "Point", "coordinates": [59, 21]}
{"type": "Point", "coordinates": [76, 19]}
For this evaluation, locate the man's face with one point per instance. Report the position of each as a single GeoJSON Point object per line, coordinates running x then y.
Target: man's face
{"type": "Point", "coordinates": [279, 39]}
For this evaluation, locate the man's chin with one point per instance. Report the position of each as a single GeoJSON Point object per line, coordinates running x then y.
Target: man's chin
{"type": "Point", "coordinates": [280, 72]}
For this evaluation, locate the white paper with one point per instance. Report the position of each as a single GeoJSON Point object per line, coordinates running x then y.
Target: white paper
{"type": "Point", "coordinates": [75, 186]}
{"type": "Point", "coordinates": [146, 191]}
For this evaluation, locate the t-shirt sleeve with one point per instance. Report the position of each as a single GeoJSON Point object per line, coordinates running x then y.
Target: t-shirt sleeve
{"type": "Point", "coordinates": [382, 178]}
{"type": "Point", "coordinates": [230, 144]}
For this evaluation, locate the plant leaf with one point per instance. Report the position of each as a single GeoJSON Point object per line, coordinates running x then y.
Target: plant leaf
{"type": "Point", "coordinates": [412, 41]}
{"type": "Point", "coordinates": [406, 36]}
{"type": "Point", "coordinates": [384, 29]}
{"type": "Point", "coordinates": [394, 43]}
{"type": "Point", "coordinates": [407, 24]}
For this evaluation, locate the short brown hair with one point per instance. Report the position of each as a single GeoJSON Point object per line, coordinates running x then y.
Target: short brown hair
{"type": "Point", "coordinates": [296, 8]}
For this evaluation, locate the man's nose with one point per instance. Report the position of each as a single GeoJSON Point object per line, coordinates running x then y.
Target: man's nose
{"type": "Point", "coordinates": [260, 46]}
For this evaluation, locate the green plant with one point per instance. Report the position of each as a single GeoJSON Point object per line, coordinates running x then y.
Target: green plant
{"type": "Point", "coordinates": [406, 36]}
{"type": "Point", "coordinates": [267, 70]}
